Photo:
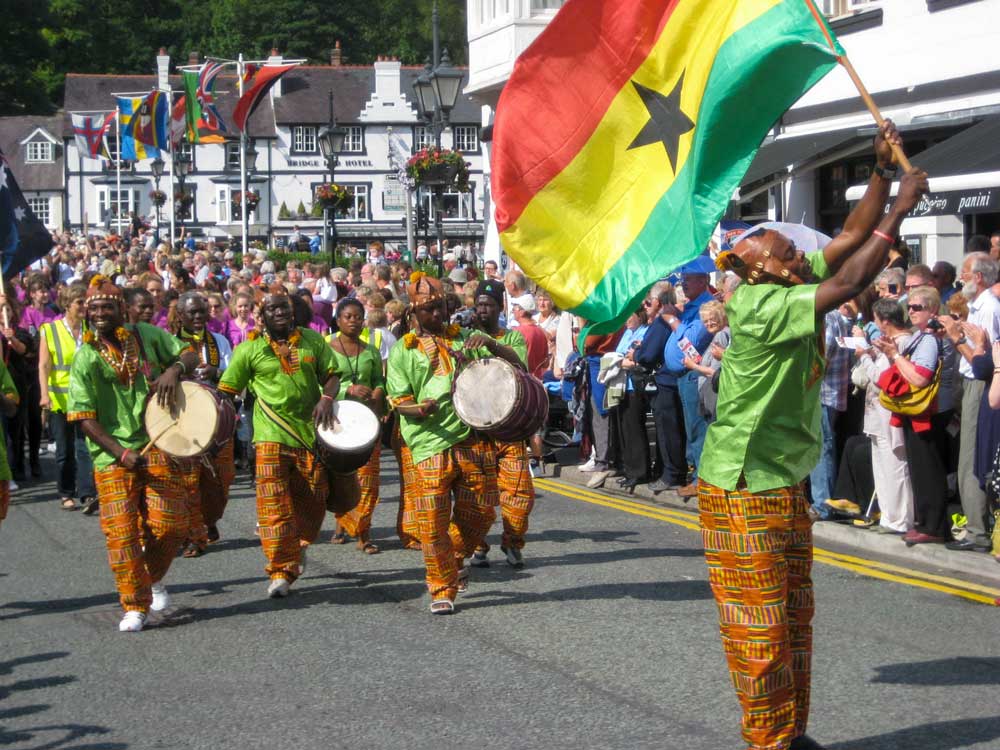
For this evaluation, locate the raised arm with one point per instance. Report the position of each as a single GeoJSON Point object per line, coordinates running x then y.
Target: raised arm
{"type": "Point", "coordinates": [866, 215]}
{"type": "Point", "coordinates": [861, 268]}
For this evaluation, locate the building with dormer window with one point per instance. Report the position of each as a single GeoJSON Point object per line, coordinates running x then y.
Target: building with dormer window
{"type": "Point", "coordinates": [375, 103]}
{"type": "Point", "coordinates": [34, 149]}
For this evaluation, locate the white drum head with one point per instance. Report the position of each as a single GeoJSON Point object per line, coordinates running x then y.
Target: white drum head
{"type": "Point", "coordinates": [486, 391]}
{"type": "Point", "coordinates": [189, 430]}
{"type": "Point", "coordinates": [357, 427]}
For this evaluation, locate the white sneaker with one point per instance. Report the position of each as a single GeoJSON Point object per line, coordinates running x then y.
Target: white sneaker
{"type": "Point", "coordinates": [278, 588]}
{"type": "Point", "coordinates": [12, 485]}
{"type": "Point", "coordinates": [588, 467]}
{"type": "Point", "coordinates": [598, 479]}
{"type": "Point", "coordinates": [161, 599]}
{"type": "Point", "coordinates": [132, 622]}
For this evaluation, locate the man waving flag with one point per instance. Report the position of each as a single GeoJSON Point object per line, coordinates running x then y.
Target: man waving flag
{"type": "Point", "coordinates": [625, 128]}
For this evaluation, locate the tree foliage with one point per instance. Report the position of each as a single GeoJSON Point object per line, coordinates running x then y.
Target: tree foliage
{"type": "Point", "coordinates": [42, 41]}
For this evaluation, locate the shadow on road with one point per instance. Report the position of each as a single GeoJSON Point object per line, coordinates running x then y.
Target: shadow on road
{"type": "Point", "coordinates": [941, 735]}
{"type": "Point", "coordinates": [45, 736]}
{"type": "Point", "coordinates": [958, 670]}
{"type": "Point", "coordinates": [667, 591]}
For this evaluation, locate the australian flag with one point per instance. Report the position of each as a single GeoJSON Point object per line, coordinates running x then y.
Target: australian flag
{"type": "Point", "coordinates": [23, 238]}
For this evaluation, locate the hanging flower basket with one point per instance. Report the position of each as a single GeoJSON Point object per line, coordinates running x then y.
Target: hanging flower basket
{"type": "Point", "coordinates": [251, 198]}
{"type": "Point", "coordinates": [158, 197]}
{"type": "Point", "coordinates": [439, 167]}
{"type": "Point", "coordinates": [333, 196]}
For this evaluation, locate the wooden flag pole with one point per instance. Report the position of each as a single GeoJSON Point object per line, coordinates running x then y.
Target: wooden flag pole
{"type": "Point", "coordinates": [872, 107]}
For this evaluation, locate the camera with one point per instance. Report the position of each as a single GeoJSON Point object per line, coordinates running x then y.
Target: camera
{"type": "Point", "coordinates": [935, 325]}
{"type": "Point", "coordinates": [464, 318]}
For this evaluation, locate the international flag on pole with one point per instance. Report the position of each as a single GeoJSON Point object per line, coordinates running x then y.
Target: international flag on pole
{"type": "Point", "coordinates": [150, 123]}
{"type": "Point", "coordinates": [178, 121]}
{"type": "Point", "coordinates": [206, 94]}
{"type": "Point", "coordinates": [255, 90]}
{"type": "Point", "coordinates": [130, 149]}
{"type": "Point", "coordinates": [198, 116]}
{"type": "Point", "coordinates": [626, 127]}
{"type": "Point", "coordinates": [23, 238]}
{"type": "Point", "coordinates": [89, 131]}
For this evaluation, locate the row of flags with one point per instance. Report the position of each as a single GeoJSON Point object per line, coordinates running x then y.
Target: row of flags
{"type": "Point", "coordinates": [152, 123]}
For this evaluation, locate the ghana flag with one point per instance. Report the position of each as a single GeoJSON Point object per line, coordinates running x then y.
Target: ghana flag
{"type": "Point", "coordinates": [625, 128]}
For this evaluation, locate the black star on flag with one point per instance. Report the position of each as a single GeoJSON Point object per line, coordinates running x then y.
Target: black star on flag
{"type": "Point", "coordinates": [666, 124]}
{"type": "Point", "coordinates": [23, 238]}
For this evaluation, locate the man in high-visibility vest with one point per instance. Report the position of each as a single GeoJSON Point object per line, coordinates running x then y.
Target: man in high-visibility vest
{"type": "Point", "coordinates": [59, 340]}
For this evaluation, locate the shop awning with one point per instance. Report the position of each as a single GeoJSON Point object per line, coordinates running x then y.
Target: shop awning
{"type": "Point", "coordinates": [779, 154]}
{"type": "Point", "coordinates": [964, 173]}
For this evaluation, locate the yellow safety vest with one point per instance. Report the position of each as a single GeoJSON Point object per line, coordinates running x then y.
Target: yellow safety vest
{"type": "Point", "coordinates": [62, 349]}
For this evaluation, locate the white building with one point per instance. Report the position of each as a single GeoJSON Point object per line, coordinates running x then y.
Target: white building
{"type": "Point", "coordinates": [930, 65]}
{"type": "Point", "coordinates": [33, 147]}
{"type": "Point", "coordinates": [373, 102]}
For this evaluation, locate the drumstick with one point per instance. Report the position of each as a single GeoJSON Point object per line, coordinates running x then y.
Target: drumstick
{"type": "Point", "coordinates": [152, 443]}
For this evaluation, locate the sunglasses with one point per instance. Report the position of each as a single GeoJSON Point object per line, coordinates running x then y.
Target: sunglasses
{"type": "Point", "coordinates": [915, 308]}
{"type": "Point", "coordinates": [648, 303]}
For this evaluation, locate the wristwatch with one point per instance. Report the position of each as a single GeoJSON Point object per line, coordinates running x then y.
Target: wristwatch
{"type": "Point", "coordinates": [961, 340]}
{"type": "Point", "coordinates": [886, 173]}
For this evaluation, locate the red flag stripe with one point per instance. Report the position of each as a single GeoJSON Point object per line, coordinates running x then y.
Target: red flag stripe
{"type": "Point", "coordinates": [262, 82]}
{"type": "Point", "coordinates": [619, 37]}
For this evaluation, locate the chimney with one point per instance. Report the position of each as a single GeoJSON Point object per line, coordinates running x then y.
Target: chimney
{"type": "Point", "coordinates": [387, 83]}
{"type": "Point", "coordinates": [336, 57]}
{"type": "Point", "coordinates": [275, 59]}
{"type": "Point", "coordinates": [162, 70]}
{"type": "Point", "coordinates": [194, 57]}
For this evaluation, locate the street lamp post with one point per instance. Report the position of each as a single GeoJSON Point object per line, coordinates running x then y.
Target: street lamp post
{"type": "Point", "coordinates": [182, 166]}
{"type": "Point", "coordinates": [157, 168]}
{"type": "Point", "coordinates": [250, 159]}
{"type": "Point", "coordinates": [436, 91]}
{"type": "Point", "coordinates": [331, 142]}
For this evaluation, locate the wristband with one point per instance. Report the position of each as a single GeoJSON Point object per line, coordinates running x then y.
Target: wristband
{"type": "Point", "coordinates": [121, 459]}
{"type": "Point", "coordinates": [184, 370]}
{"type": "Point", "coordinates": [887, 237]}
{"type": "Point", "coordinates": [325, 396]}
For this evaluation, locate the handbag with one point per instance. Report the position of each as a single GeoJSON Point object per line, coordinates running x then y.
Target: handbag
{"type": "Point", "coordinates": [915, 401]}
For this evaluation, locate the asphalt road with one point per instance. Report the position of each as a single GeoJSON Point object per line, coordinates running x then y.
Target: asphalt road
{"type": "Point", "coordinates": [607, 639]}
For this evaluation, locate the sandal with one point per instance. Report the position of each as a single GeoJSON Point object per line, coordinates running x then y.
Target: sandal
{"type": "Point", "coordinates": [339, 537]}
{"type": "Point", "coordinates": [91, 505]}
{"type": "Point", "coordinates": [68, 503]}
{"type": "Point", "coordinates": [369, 548]}
{"type": "Point", "coordinates": [442, 607]}
{"type": "Point", "coordinates": [463, 581]}
{"type": "Point", "coordinates": [192, 550]}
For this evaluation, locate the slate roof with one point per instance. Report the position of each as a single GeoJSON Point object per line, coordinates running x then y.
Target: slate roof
{"type": "Point", "coordinates": [35, 176]}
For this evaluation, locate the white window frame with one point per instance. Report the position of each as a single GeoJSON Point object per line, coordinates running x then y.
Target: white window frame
{"type": "Point", "coordinates": [304, 139]}
{"type": "Point", "coordinates": [423, 137]}
{"type": "Point", "coordinates": [545, 7]}
{"type": "Point", "coordinates": [232, 154]}
{"type": "Point", "coordinates": [465, 204]}
{"type": "Point", "coordinates": [38, 152]}
{"type": "Point", "coordinates": [41, 207]}
{"type": "Point", "coordinates": [106, 198]}
{"type": "Point", "coordinates": [224, 205]}
{"type": "Point", "coordinates": [464, 133]}
{"type": "Point", "coordinates": [359, 210]}
{"type": "Point", "coordinates": [188, 150]}
{"type": "Point", "coordinates": [354, 139]}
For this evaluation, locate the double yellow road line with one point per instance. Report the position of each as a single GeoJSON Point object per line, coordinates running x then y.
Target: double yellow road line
{"type": "Point", "coordinates": [870, 568]}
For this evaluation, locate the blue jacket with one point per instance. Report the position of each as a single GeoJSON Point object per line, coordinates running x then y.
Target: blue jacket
{"type": "Point", "coordinates": [691, 328]}
{"type": "Point", "coordinates": [650, 354]}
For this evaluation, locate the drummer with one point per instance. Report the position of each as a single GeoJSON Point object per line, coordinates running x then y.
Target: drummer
{"type": "Point", "coordinates": [113, 374]}
{"type": "Point", "coordinates": [517, 491]}
{"type": "Point", "coordinates": [447, 456]}
{"type": "Point", "coordinates": [290, 370]}
{"type": "Point", "coordinates": [359, 367]}
{"type": "Point", "coordinates": [207, 481]}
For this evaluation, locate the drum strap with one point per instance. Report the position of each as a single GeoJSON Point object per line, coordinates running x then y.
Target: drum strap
{"type": "Point", "coordinates": [280, 421]}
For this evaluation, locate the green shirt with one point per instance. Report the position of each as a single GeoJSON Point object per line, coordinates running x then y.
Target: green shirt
{"type": "Point", "coordinates": [365, 369]}
{"type": "Point", "coordinates": [507, 337]}
{"type": "Point", "coordinates": [9, 390]}
{"type": "Point", "coordinates": [413, 377]}
{"type": "Point", "coordinates": [292, 396]}
{"type": "Point", "coordinates": [95, 392]}
{"type": "Point", "coordinates": [768, 425]}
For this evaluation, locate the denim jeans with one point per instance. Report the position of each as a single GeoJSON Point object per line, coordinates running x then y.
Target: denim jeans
{"type": "Point", "coordinates": [695, 426]}
{"type": "Point", "coordinates": [821, 478]}
{"type": "Point", "coordinates": [64, 433]}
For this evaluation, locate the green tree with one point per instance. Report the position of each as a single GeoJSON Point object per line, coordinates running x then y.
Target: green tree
{"type": "Point", "coordinates": [22, 87]}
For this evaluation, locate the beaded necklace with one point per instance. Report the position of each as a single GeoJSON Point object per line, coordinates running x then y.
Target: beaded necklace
{"type": "Point", "coordinates": [124, 361]}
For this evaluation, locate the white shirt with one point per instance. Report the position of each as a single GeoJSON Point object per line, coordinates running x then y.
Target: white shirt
{"type": "Point", "coordinates": [984, 311]}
